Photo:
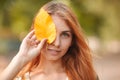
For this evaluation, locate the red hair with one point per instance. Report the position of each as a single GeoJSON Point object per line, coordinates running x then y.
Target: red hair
{"type": "Point", "coordinates": [77, 61]}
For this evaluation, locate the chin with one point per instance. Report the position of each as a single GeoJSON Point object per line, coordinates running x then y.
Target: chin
{"type": "Point", "coordinates": [53, 58]}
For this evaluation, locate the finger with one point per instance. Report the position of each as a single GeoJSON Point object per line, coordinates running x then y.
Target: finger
{"type": "Point", "coordinates": [41, 44]}
{"type": "Point", "coordinates": [30, 34]}
{"type": "Point", "coordinates": [37, 42]}
{"type": "Point", "coordinates": [33, 38]}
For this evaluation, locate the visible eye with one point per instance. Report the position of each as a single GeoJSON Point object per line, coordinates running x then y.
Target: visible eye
{"type": "Point", "coordinates": [65, 35]}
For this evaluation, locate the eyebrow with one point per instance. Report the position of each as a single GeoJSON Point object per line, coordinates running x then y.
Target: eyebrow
{"type": "Point", "coordinates": [67, 31]}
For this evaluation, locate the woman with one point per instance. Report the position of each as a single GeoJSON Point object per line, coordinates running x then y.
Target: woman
{"type": "Point", "coordinates": [68, 57]}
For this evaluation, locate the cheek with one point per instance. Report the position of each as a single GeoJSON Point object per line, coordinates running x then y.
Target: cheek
{"type": "Point", "coordinates": [66, 44]}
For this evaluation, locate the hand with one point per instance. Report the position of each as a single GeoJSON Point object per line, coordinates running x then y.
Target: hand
{"type": "Point", "coordinates": [30, 47]}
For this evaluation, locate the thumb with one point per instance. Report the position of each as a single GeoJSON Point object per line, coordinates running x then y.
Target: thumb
{"type": "Point", "coordinates": [41, 44]}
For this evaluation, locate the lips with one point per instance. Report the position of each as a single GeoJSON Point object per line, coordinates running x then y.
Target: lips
{"type": "Point", "coordinates": [57, 50]}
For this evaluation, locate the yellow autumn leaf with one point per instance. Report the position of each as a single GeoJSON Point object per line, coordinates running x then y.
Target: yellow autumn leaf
{"type": "Point", "coordinates": [44, 26]}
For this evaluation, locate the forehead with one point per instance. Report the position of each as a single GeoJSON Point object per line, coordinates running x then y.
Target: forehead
{"type": "Point", "coordinates": [60, 24]}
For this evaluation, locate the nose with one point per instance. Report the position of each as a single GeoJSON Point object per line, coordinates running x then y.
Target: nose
{"type": "Point", "coordinates": [56, 42]}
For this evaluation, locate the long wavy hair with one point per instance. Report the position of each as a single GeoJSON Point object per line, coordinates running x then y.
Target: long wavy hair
{"type": "Point", "coordinates": [77, 61]}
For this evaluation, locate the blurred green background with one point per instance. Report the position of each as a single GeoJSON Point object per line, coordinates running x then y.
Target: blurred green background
{"type": "Point", "coordinates": [100, 20]}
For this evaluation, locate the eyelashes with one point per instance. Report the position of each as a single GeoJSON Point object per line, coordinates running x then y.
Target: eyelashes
{"type": "Point", "coordinates": [65, 34]}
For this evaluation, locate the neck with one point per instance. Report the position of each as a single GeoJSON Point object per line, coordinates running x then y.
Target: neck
{"type": "Point", "coordinates": [50, 66]}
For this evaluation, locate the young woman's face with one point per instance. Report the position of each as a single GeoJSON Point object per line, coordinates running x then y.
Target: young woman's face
{"type": "Point", "coordinates": [61, 44]}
